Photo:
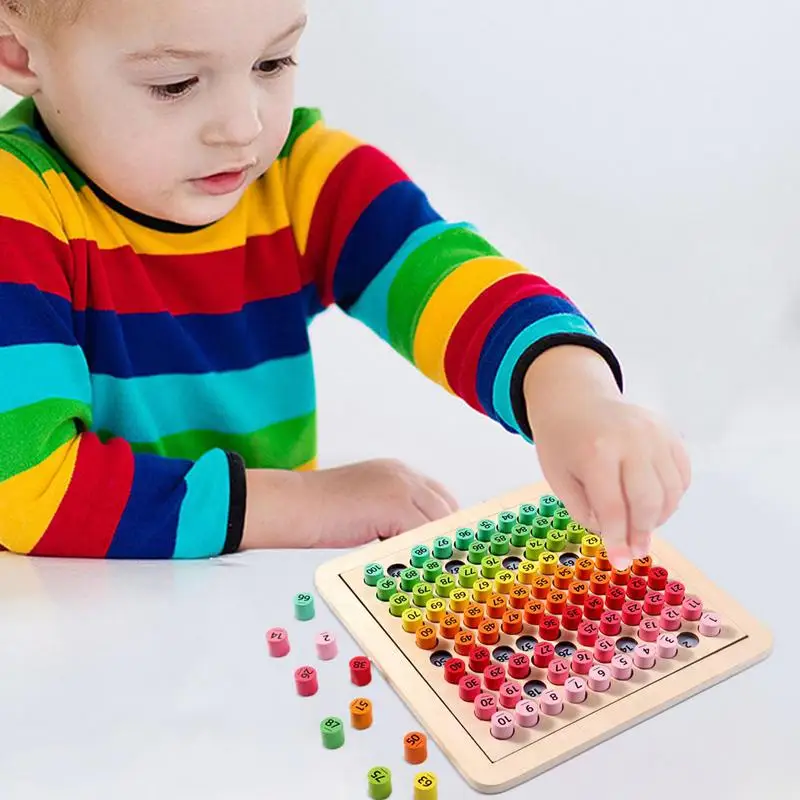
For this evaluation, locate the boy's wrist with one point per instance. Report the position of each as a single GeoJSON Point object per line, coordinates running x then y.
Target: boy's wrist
{"type": "Point", "coordinates": [565, 372]}
{"type": "Point", "coordinates": [273, 516]}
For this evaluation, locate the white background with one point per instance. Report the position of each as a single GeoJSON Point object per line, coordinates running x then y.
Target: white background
{"type": "Point", "coordinates": [645, 158]}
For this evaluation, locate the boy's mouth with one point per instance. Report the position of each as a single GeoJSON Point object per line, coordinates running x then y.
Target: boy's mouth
{"type": "Point", "coordinates": [223, 182]}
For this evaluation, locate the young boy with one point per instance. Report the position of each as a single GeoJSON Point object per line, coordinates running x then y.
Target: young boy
{"type": "Point", "coordinates": [170, 225]}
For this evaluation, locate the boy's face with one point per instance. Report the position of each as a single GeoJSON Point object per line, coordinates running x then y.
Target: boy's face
{"type": "Point", "coordinates": [175, 135]}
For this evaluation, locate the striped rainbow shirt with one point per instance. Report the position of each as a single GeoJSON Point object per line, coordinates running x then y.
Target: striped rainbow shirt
{"type": "Point", "coordinates": [145, 365]}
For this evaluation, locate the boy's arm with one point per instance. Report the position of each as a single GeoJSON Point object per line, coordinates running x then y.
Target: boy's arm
{"type": "Point", "coordinates": [438, 292]}
{"type": "Point", "coordinates": [63, 491]}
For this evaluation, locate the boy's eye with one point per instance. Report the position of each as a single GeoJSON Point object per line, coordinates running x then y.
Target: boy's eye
{"type": "Point", "coordinates": [172, 91]}
{"type": "Point", "coordinates": [275, 66]}
{"type": "Point", "coordinates": [268, 68]}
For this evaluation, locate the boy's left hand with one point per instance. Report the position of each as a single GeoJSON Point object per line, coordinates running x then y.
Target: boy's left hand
{"type": "Point", "coordinates": [619, 470]}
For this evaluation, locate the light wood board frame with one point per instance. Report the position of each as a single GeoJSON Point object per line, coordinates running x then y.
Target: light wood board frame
{"type": "Point", "coordinates": [490, 765]}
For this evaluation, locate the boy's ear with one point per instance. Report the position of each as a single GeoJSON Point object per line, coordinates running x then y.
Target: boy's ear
{"type": "Point", "coordinates": [15, 71]}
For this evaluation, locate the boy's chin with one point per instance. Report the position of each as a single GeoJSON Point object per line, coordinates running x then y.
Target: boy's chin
{"type": "Point", "coordinates": [196, 212]}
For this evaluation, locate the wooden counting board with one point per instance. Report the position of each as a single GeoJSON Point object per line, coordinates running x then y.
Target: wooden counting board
{"type": "Point", "coordinates": [517, 645]}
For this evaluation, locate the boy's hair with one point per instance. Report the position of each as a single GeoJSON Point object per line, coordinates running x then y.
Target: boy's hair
{"type": "Point", "coordinates": [44, 14]}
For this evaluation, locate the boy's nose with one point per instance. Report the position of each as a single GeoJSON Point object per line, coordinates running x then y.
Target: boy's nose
{"type": "Point", "coordinates": [234, 125]}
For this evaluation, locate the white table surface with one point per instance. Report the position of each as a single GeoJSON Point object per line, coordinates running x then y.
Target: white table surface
{"type": "Point", "coordinates": [133, 680]}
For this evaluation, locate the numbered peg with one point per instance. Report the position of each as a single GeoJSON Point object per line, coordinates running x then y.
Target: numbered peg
{"type": "Point", "coordinates": [692, 608]}
{"type": "Point", "coordinates": [360, 670]}
{"type": "Point", "coordinates": [575, 689]}
{"type": "Point", "coordinates": [710, 624]}
{"type": "Point", "coordinates": [327, 649]}
{"type": "Point", "coordinates": [426, 787]}
{"type": "Point", "coordinates": [621, 667]}
{"type": "Point", "coordinates": [667, 645]}
{"type": "Point", "coordinates": [550, 703]}
{"type": "Point", "coordinates": [304, 607]}
{"type": "Point", "coordinates": [485, 706]}
{"type": "Point", "coordinates": [509, 694]}
{"type": "Point", "coordinates": [415, 747]}
{"type": "Point", "coordinates": [502, 725]}
{"type": "Point", "coordinates": [379, 783]}
{"type": "Point", "coordinates": [469, 687]}
{"type": "Point", "coordinates": [526, 713]}
{"type": "Point", "coordinates": [332, 730]}
{"type": "Point", "coordinates": [306, 681]}
{"type": "Point", "coordinates": [644, 655]}
{"type": "Point", "coordinates": [361, 713]}
{"type": "Point", "coordinates": [278, 642]}
{"type": "Point", "coordinates": [599, 678]}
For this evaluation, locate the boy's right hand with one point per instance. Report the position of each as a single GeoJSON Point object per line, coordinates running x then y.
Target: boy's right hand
{"type": "Point", "coordinates": [339, 507]}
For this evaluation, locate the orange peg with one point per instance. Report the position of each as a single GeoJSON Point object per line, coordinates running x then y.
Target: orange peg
{"type": "Point", "coordinates": [361, 713]}
{"type": "Point", "coordinates": [415, 747]}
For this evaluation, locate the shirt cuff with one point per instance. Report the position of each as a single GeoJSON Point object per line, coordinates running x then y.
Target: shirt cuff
{"type": "Point", "coordinates": [237, 504]}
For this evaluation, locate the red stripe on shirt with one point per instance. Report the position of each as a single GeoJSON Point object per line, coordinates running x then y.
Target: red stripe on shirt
{"type": "Point", "coordinates": [205, 283]}
{"type": "Point", "coordinates": [130, 283]}
{"type": "Point", "coordinates": [463, 352]}
{"type": "Point", "coordinates": [356, 181]}
{"type": "Point", "coordinates": [24, 248]}
{"type": "Point", "coordinates": [94, 503]}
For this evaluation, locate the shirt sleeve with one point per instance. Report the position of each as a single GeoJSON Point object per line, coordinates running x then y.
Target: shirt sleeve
{"type": "Point", "coordinates": [465, 315]}
{"type": "Point", "coordinates": [63, 490]}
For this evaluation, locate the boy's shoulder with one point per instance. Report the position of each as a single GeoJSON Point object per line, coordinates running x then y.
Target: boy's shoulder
{"type": "Point", "coordinates": [304, 119]}
{"type": "Point", "coordinates": [25, 155]}
{"type": "Point", "coordinates": [310, 133]}
{"type": "Point", "coordinates": [21, 140]}
{"type": "Point", "coordinates": [37, 184]}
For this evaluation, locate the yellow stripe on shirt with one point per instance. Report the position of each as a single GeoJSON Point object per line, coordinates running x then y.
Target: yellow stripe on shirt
{"type": "Point", "coordinates": [30, 500]}
{"type": "Point", "coordinates": [23, 197]}
{"type": "Point", "coordinates": [454, 295]}
{"type": "Point", "coordinates": [314, 156]}
{"type": "Point", "coordinates": [57, 208]}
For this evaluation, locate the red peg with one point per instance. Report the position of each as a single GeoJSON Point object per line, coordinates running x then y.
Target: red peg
{"type": "Point", "coordinates": [657, 578]}
{"type": "Point", "coordinates": [306, 682]}
{"type": "Point", "coordinates": [588, 631]}
{"type": "Point", "coordinates": [637, 588]}
{"type": "Point", "coordinates": [519, 666]}
{"type": "Point", "coordinates": [454, 670]}
{"type": "Point", "coordinates": [593, 607]}
{"type": "Point", "coordinates": [632, 612]}
{"type": "Point", "coordinates": [550, 628]}
{"type": "Point", "coordinates": [494, 676]}
{"type": "Point", "coordinates": [479, 659]}
{"type": "Point", "coordinates": [572, 617]}
{"type": "Point", "coordinates": [610, 623]}
{"type": "Point", "coordinates": [360, 670]}
{"type": "Point", "coordinates": [543, 654]}
{"type": "Point", "coordinates": [469, 688]}
{"type": "Point", "coordinates": [653, 603]}
{"type": "Point", "coordinates": [674, 593]}
{"type": "Point", "coordinates": [615, 597]}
